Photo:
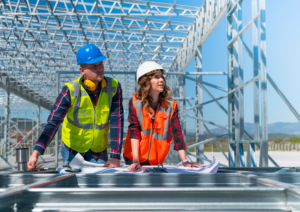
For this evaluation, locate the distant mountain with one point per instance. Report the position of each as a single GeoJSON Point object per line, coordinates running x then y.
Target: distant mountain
{"type": "Point", "coordinates": [275, 128]}
{"type": "Point", "coordinates": [285, 127]}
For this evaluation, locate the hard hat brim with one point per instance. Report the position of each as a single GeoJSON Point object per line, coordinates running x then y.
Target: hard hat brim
{"type": "Point", "coordinates": [162, 71]}
{"type": "Point", "coordinates": [96, 60]}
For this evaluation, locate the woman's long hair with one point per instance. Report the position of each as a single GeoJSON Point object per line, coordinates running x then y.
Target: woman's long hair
{"type": "Point", "coordinates": [143, 93]}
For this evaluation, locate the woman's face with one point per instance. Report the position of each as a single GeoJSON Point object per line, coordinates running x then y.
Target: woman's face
{"type": "Point", "coordinates": [157, 82]}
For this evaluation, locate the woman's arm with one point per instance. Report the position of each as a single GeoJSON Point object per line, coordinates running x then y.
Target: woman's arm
{"type": "Point", "coordinates": [135, 150]}
{"type": "Point", "coordinates": [179, 144]}
{"type": "Point", "coordinates": [135, 146]}
{"type": "Point", "coordinates": [185, 162]}
{"type": "Point", "coordinates": [134, 135]}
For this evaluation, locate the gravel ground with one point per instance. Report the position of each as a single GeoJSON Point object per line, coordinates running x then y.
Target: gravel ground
{"type": "Point", "coordinates": [284, 159]}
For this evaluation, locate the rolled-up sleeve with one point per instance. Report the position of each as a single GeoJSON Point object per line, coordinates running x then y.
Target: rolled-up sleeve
{"type": "Point", "coordinates": [176, 131]}
{"type": "Point", "coordinates": [56, 117]}
{"type": "Point", "coordinates": [134, 125]}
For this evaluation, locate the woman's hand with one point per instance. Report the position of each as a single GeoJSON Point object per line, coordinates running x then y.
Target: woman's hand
{"type": "Point", "coordinates": [134, 167]}
{"type": "Point", "coordinates": [191, 165]}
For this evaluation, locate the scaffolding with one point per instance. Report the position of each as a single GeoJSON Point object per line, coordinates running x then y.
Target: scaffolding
{"type": "Point", "coordinates": [39, 40]}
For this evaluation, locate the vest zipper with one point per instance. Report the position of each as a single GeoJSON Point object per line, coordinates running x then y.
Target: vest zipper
{"type": "Point", "coordinates": [151, 138]}
{"type": "Point", "coordinates": [150, 142]}
{"type": "Point", "coordinates": [93, 127]}
{"type": "Point", "coordinates": [94, 122]}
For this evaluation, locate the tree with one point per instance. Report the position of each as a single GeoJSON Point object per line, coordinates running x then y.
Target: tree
{"type": "Point", "coordinates": [278, 140]}
{"type": "Point", "coordinates": [295, 140]}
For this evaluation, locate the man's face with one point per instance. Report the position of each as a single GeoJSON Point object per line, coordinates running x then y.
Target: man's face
{"type": "Point", "coordinates": [94, 72]}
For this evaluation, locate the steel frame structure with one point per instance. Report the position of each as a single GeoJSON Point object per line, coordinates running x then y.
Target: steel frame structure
{"type": "Point", "coordinates": [39, 40]}
{"type": "Point", "coordinates": [231, 189]}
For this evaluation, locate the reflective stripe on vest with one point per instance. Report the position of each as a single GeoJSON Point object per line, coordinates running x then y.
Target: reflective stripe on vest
{"type": "Point", "coordinates": [167, 110]}
{"type": "Point", "coordinates": [156, 136]}
{"type": "Point", "coordinates": [78, 93]}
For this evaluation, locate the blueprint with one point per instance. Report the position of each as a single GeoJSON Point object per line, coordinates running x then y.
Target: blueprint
{"type": "Point", "coordinates": [88, 167]}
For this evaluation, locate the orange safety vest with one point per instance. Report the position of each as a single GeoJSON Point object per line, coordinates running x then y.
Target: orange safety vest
{"type": "Point", "coordinates": [155, 138]}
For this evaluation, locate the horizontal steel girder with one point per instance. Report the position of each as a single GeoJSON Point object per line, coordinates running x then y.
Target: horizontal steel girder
{"type": "Point", "coordinates": [27, 95]}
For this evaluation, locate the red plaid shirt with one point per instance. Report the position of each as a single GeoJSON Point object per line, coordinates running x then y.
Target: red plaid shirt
{"type": "Point", "coordinates": [135, 129]}
{"type": "Point", "coordinates": [61, 108]}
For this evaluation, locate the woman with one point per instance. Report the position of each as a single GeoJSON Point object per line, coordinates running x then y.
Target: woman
{"type": "Point", "coordinates": [153, 118]}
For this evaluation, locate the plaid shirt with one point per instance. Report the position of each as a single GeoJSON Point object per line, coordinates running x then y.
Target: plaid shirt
{"type": "Point", "coordinates": [135, 129]}
{"type": "Point", "coordinates": [62, 106]}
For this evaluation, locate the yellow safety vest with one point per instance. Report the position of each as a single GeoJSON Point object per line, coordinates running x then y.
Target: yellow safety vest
{"type": "Point", "coordinates": [84, 126]}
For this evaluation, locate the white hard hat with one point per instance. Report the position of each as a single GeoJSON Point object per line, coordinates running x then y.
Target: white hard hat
{"type": "Point", "coordinates": [148, 67]}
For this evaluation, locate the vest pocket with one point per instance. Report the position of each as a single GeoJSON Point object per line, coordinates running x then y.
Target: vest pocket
{"type": "Point", "coordinates": [163, 150]}
{"type": "Point", "coordinates": [85, 115]}
{"type": "Point", "coordinates": [160, 122]}
{"type": "Point", "coordinates": [74, 138]}
{"type": "Point", "coordinates": [144, 147]}
{"type": "Point", "coordinates": [102, 114]}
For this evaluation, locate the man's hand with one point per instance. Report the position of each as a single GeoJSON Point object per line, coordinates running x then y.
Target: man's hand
{"type": "Point", "coordinates": [112, 163]}
{"type": "Point", "coordinates": [134, 167]}
{"type": "Point", "coordinates": [32, 161]}
{"type": "Point", "coordinates": [191, 165]}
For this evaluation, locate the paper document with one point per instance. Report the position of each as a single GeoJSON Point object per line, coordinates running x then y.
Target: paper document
{"type": "Point", "coordinates": [79, 162]}
{"type": "Point", "coordinates": [98, 168]}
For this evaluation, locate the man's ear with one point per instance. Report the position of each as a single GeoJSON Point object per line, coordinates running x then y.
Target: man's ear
{"type": "Point", "coordinates": [81, 70]}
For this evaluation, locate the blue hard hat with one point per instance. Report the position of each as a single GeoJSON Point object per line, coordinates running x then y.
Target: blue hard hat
{"type": "Point", "coordinates": [89, 54]}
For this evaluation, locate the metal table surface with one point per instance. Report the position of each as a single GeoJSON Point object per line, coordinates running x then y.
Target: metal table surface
{"type": "Point", "coordinates": [272, 189]}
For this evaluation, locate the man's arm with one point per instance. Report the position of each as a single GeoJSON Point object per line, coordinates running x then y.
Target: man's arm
{"type": "Point", "coordinates": [116, 129]}
{"type": "Point", "coordinates": [55, 118]}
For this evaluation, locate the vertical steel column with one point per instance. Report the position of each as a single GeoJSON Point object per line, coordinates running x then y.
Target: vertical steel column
{"type": "Point", "coordinates": [18, 133]}
{"type": "Point", "coordinates": [32, 125]}
{"type": "Point", "coordinates": [1, 132]}
{"type": "Point", "coordinates": [241, 91]}
{"type": "Point", "coordinates": [182, 105]}
{"type": "Point", "coordinates": [38, 119]}
{"type": "Point", "coordinates": [263, 162]}
{"type": "Point", "coordinates": [199, 110]}
{"type": "Point", "coordinates": [173, 157]}
{"type": "Point", "coordinates": [57, 132]}
{"type": "Point", "coordinates": [238, 80]}
{"type": "Point", "coordinates": [231, 133]}
{"type": "Point", "coordinates": [251, 157]}
{"type": "Point", "coordinates": [25, 130]}
{"type": "Point", "coordinates": [7, 121]}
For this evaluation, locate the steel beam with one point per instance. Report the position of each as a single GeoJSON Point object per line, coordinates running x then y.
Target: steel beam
{"type": "Point", "coordinates": [197, 34]}
{"type": "Point", "coordinates": [263, 162]}
{"type": "Point", "coordinates": [56, 136]}
{"type": "Point", "coordinates": [182, 105]}
{"type": "Point", "coordinates": [238, 80]}
{"type": "Point", "coordinates": [7, 122]}
{"type": "Point", "coordinates": [251, 156]}
{"type": "Point", "coordinates": [230, 99]}
{"type": "Point", "coordinates": [199, 111]}
{"type": "Point", "coordinates": [17, 89]}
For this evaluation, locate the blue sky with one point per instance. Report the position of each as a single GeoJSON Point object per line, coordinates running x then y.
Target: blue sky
{"type": "Point", "coordinates": [283, 63]}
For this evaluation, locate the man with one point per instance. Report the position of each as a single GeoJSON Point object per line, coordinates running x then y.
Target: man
{"type": "Point", "coordinates": [88, 107]}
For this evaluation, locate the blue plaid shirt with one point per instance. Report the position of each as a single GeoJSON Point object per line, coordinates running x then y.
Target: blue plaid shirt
{"type": "Point", "coordinates": [62, 106]}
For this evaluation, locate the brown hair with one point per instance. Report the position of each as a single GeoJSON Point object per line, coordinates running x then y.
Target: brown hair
{"type": "Point", "coordinates": [143, 93]}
